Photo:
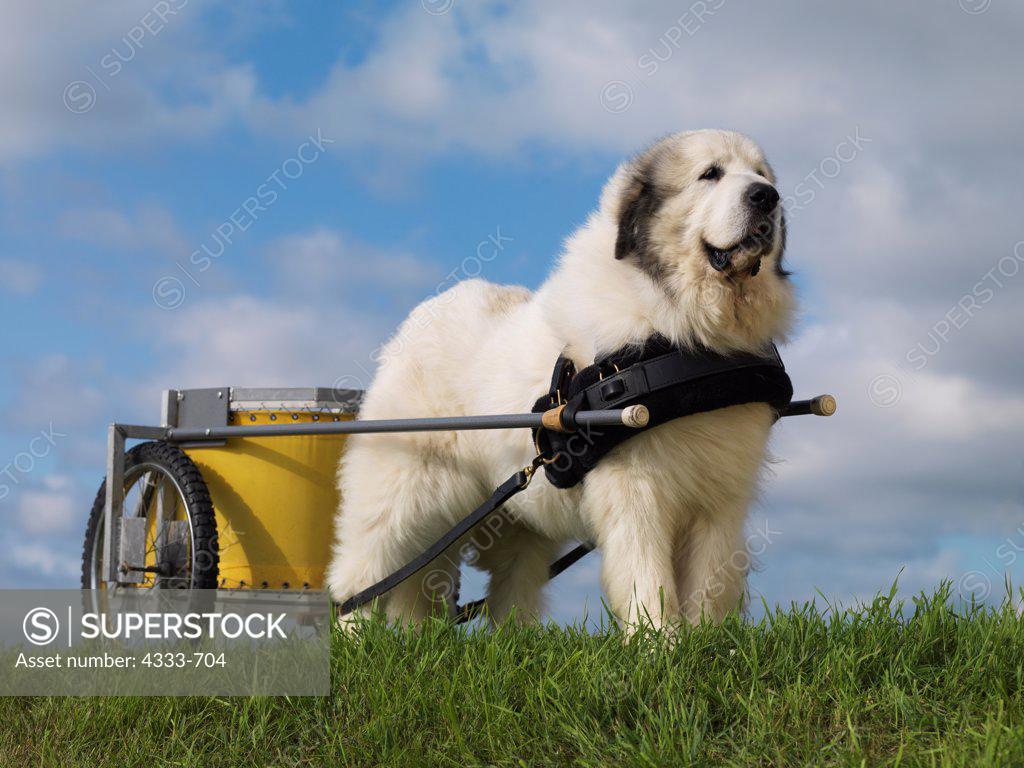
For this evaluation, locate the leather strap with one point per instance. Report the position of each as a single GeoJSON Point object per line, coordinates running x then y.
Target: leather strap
{"type": "Point", "coordinates": [470, 611]}
{"type": "Point", "coordinates": [501, 495]}
{"type": "Point", "coordinates": [669, 370]}
{"type": "Point", "coordinates": [569, 559]}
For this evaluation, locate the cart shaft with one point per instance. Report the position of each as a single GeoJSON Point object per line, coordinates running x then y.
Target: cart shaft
{"type": "Point", "coordinates": [634, 416]}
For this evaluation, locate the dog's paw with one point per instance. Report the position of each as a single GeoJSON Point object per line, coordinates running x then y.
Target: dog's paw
{"type": "Point", "coordinates": [351, 624]}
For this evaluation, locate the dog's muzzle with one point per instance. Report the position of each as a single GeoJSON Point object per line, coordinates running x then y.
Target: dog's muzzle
{"type": "Point", "coordinates": [756, 244]}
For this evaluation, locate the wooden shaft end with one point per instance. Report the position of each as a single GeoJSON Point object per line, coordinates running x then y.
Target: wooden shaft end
{"type": "Point", "coordinates": [823, 405]}
{"type": "Point", "coordinates": [636, 416]}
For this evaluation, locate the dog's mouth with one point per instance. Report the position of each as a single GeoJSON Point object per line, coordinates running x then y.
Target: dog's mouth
{"type": "Point", "coordinates": [754, 246]}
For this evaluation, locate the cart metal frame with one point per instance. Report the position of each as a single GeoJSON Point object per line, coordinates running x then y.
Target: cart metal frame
{"type": "Point", "coordinates": [194, 417]}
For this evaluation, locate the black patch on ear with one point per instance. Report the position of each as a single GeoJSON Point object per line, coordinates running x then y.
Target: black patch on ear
{"type": "Point", "coordinates": [779, 269]}
{"type": "Point", "coordinates": [640, 203]}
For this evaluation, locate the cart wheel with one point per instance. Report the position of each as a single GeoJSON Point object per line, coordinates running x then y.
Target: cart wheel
{"type": "Point", "coordinates": [177, 543]}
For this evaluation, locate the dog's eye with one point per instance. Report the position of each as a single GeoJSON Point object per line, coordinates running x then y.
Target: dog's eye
{"type": "Point", "coordinates": [714, 173]}
{"type": "Point", "coordinates": [762, 172]}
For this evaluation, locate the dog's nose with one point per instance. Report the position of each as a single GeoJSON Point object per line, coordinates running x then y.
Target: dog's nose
{"type": "Point", "coordinates": [762, 197]}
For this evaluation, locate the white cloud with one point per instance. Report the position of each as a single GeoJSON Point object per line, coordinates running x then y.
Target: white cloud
{"type": "Point", "coordinates": [147, 228]}
{"type": "Point", "coordinates": [50, 508]}
{"type": "Point", "coordinates": [19, 278]}
{"type": "Point", "coordinates": [324, 261]}
{"type": "Point", "coordinates": [901, 469]}
{"type": "Point", "coordinates": [248, 341]}
{"type": "Point", "coordinates": [493, 77]}
{"type": "Point", "coordinates": [56, 389]}
{"type": "Point", "coordinates": [88, 72]}
{"type": "Point", "coordinates": [42, 559]}
{"type": "Point", "coordinates": [472, 79]}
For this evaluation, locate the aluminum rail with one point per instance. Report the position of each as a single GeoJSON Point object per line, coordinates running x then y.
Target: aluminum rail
{"type": "Point", "coordinates": [635, 416]}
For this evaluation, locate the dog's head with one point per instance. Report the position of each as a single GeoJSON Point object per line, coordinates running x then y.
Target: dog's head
{"type": "Point", "coordinates": [700, 214]}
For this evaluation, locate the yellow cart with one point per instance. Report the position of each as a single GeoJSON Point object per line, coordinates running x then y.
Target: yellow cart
{"type": "Point", "coordinates": [247, 512]}
{"type": "Point", "coordinates": [236, 488]}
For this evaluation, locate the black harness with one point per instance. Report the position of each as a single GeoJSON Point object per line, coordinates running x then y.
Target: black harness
{"type": "Point", "coordinates": [671, 381]}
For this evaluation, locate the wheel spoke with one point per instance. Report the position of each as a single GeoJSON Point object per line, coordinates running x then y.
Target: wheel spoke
{"type": "Point", "coordinates": [145, 494]}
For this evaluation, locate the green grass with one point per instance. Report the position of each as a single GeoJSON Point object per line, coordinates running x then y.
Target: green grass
{"type": "Point", "coordinates": [885, 684]}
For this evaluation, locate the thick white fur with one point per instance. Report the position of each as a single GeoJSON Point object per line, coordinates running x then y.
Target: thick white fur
{"type": "Point", "coordinates": [667, 508]}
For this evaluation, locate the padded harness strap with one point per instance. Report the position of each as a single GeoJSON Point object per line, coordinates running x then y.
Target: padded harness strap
{"type": "Point", "coordinates": [670, 381]}
{"type": "Point", "coordinates": [668, 370]}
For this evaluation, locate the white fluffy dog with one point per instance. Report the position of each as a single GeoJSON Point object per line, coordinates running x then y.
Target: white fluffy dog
{"type": "Point", "coordinates": [667, 507]}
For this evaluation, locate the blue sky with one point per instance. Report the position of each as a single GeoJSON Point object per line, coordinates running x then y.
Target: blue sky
{"type": "Point", "coordinates": [894, 132]}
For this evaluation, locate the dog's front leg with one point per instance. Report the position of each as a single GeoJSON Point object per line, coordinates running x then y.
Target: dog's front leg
{"type": "Point", "coordinates": [711, 577]}
{"type": "Point", "coordinates": [636, 547]}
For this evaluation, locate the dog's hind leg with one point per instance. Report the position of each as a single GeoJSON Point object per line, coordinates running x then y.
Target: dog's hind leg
{"type": "Point", "coordinates": [399, 496]}
{"type": "Point", "coordinates": [517, 560]}
{"type": "Point", "coordinates": [431, 592]}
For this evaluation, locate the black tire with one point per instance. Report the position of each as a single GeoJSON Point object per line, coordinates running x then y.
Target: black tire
{"type": "Point", "coordinates": [196, 497]}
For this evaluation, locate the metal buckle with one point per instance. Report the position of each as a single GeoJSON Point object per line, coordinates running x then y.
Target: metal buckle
{"type": "Point", "coordinates": [540, 459]}
{"type": "Point", "coordinates": [531, 469]}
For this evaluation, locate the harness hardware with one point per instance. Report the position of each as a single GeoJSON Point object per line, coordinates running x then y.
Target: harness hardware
{"type": "Point", "coordinates": [670, 381]}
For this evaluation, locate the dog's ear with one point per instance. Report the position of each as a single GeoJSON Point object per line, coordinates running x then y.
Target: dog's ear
{"type": "Point", "coordinates": [639, 203]}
